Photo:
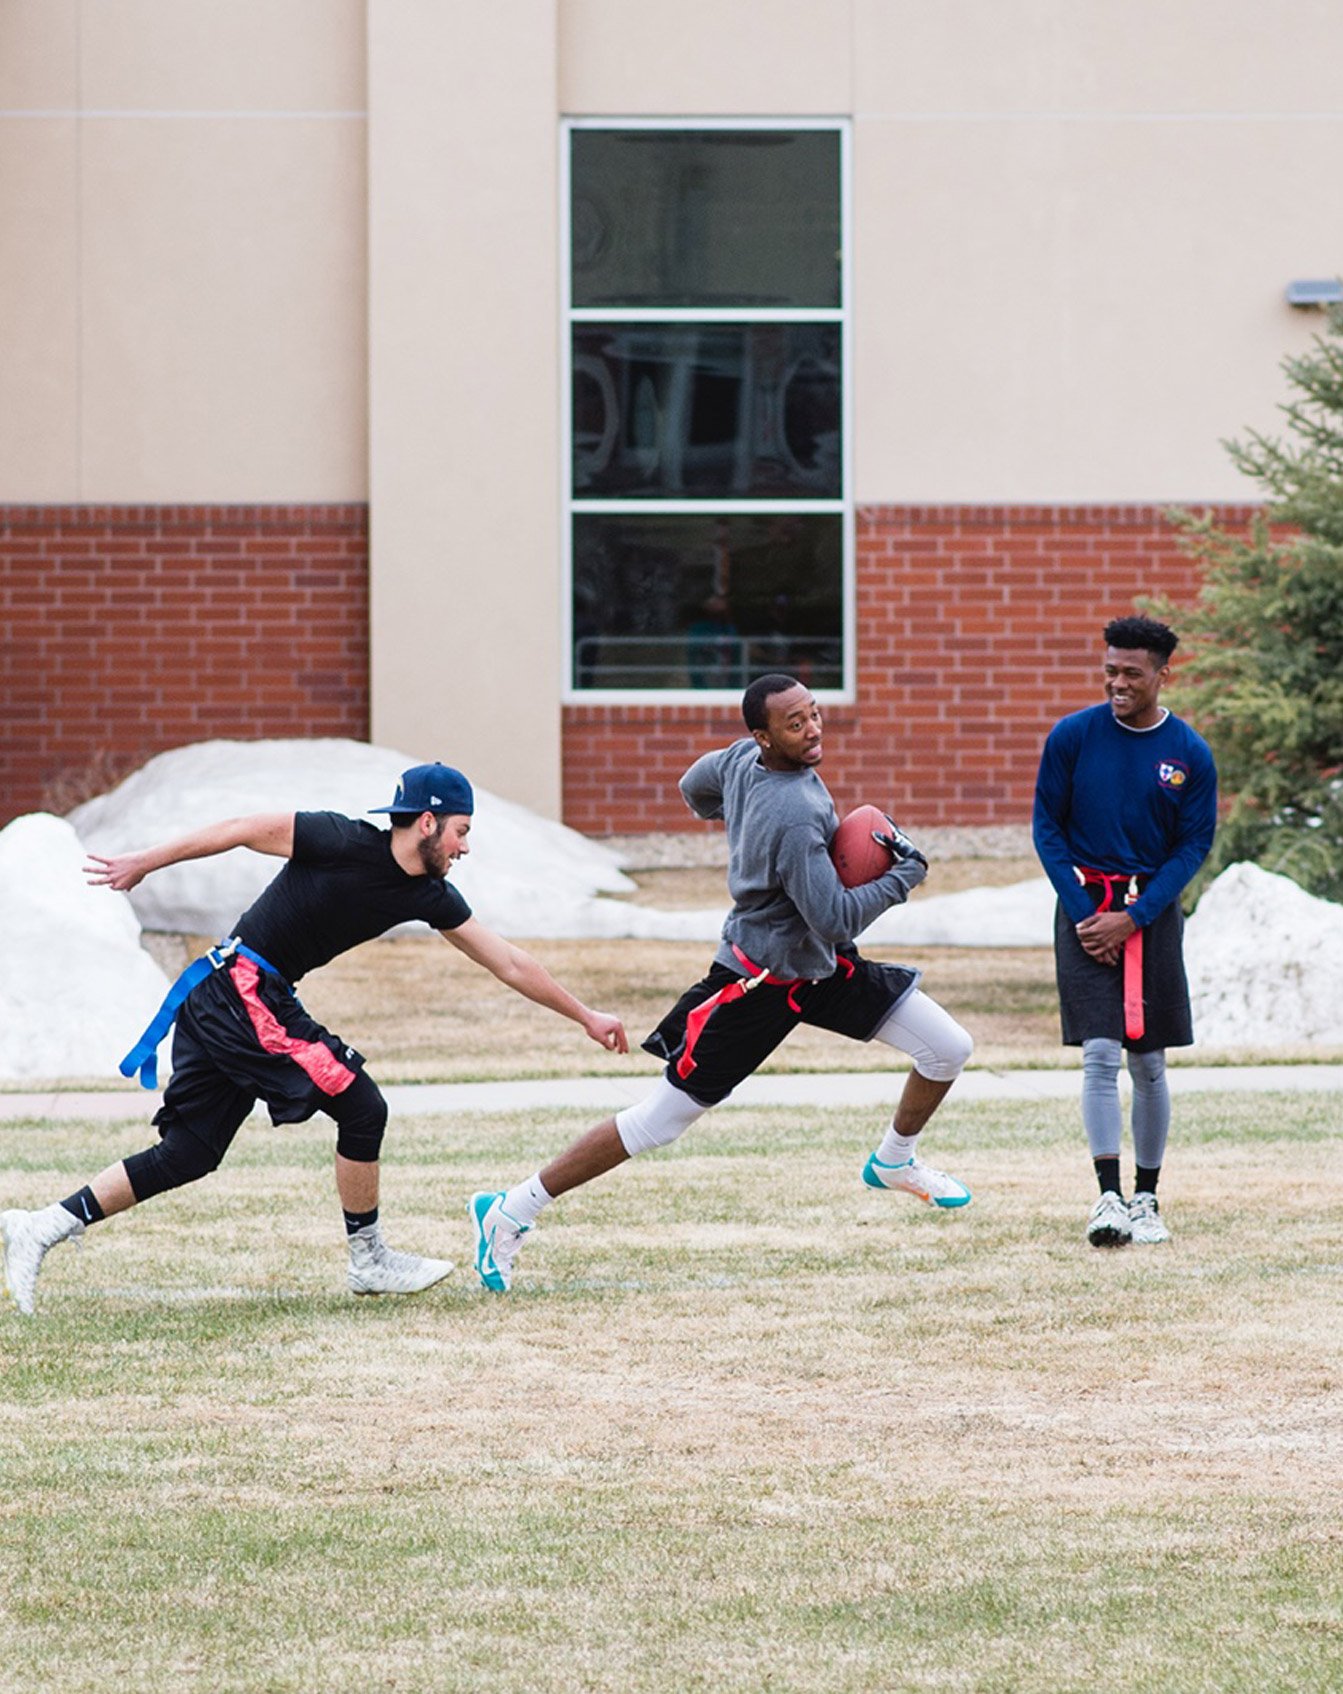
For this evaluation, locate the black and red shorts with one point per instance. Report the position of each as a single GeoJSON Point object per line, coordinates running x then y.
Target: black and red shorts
{"type": "Point", "coordinates": [243, 1035]}
{"type": "Point", "coordinates": [707, 1058]}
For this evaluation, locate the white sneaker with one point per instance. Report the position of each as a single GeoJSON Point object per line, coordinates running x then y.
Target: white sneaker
{"type": "Point", "coordinates": [1108, 1225]}
{"type": "Point", "coordinates": [27, 1237]}
{"type": "Point", "coordinates": [498, 1238]}
{"type": "Point", "coordinates": [916, 1178]}
{"type": "Point", "coordinates": [375, 1268]}
{"type": "Point", "coordinates": [1145, 1220]}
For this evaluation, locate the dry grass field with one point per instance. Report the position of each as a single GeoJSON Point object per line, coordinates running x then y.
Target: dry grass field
{"type": "Point", "coordinates": [428, 1015]}
{"type": "Point", "coordinates": [742, 1424]}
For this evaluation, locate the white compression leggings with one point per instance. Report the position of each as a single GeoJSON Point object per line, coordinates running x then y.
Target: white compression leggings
{"type": "Point", "coordinates": [1100, 1101]}
{"type": "Point", "coordinates": [918, 1026]}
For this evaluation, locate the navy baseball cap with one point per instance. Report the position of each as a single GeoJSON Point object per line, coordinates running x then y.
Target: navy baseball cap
{"type": "Point", "coordinates": [432, 788]}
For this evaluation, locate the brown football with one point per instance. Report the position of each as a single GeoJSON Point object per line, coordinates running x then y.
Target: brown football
{"type": "Point", "coordinates": [857, 857]}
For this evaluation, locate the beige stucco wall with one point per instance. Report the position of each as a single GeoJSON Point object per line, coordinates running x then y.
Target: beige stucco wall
{"type": "Point", "coordinates": [1107, 307]}
{"type": "Point", "coordinates": [725, 58]}
{"type": "Point", "coordinates": [1072, 224]}
{"type": "Point", "coordinates": [182, 297]}
{"type": "Point", "coordinates": [464, 405]}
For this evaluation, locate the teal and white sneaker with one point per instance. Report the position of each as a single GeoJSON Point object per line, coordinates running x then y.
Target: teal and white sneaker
{"type": "Point", "coordinates": [497, 1241]}
{"type": "Point", "coordinates": [914, 1177]}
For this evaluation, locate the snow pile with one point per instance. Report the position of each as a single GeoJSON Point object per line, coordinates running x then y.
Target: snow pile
{"type": "Point", "coordinates": [1265, 963]}
{"type": "Point", "coordinates": [532, 876]}
{"type": "Point", "coordinates": [1018, 915]}
{"type": "Point", "coordinates": [76, 989]}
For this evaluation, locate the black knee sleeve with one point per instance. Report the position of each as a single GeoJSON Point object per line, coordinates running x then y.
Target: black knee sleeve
{"type": "Point", "coordinates": [361, 1117]}
{"type": "Point", "coordinates": [178, 1159]}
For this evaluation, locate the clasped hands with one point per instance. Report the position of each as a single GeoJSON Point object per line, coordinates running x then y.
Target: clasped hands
{"type": "Point", "coordinates": [1103, 935]}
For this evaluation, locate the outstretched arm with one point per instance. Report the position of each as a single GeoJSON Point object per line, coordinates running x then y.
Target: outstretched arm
{"type": "Point", "coordinates": [266, 832]}
{"type": "Point", "coordinates": [520, 971]}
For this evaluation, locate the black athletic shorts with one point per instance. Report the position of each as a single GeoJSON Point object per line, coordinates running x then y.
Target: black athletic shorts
{"type": "Point", "coordinates": [1091, 995]}
{"type": "Point", "coordinates": [242, 1035]}
{"type": "Point", "coordinates": [707, 1056]}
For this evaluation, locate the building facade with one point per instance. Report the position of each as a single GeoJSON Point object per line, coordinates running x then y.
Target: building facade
{"type": "Point", "coordinates": [506, 384]}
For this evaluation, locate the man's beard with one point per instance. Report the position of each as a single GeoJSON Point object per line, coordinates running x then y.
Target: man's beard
{"type": "Point", "coordinates": [433, 854]}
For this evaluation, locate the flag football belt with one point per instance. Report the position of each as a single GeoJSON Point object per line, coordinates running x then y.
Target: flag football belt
{"type": "Point", "coordinates": [143, 1057]}
{"type": "Point", "coordinates": [1135, 1022]}
{"type": "Point", "coordinates": [757, 976]}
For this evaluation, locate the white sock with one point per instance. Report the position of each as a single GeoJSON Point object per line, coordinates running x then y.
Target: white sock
{"type": "Point", "coordinates": [523, 1203]}
{"type": "Point", "coordinates": [897, 1149]}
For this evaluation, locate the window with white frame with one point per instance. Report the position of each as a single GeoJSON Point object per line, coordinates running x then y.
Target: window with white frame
{"type": "Point", "coordinates": [708, 523]}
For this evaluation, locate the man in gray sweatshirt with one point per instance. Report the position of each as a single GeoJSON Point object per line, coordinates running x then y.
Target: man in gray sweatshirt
{"type": "Point", "coordinates": [786, 957]}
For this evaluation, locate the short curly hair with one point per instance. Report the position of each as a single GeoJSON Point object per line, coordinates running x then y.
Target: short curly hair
{"type": "Point", "coordinates": [755, 701]}
{"type": "Point", "coordinates": [1158, 639]}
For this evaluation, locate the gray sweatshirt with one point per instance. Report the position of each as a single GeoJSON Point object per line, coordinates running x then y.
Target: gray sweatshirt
{"type": "Point", "coordinates": [790, 908]}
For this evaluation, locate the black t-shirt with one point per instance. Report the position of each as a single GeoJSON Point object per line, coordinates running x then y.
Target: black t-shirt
{"type": "Point", "coordinates": [341, 887]}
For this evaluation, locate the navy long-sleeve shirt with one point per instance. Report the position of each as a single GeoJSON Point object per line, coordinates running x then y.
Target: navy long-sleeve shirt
{"type": "Point", "coordinates": [1124, 800]}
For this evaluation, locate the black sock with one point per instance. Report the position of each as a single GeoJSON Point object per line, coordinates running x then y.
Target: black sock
{"type": "Point", "coordinates": [1144, 1180]}
{"type": "Point", "coordinates": [359, 1220]}
{"type": "Point", "coordinates": [84, 1206]}
{"type": "Point", "coordinates": [1107, 1174]}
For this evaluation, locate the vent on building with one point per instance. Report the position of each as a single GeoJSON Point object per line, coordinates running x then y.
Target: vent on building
{"type": "Point", "coordinates": [1315, 292]}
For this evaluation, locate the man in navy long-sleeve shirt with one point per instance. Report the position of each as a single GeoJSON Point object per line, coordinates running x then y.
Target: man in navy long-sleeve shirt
{"type": "Point", "coordinates": [1125, 808]}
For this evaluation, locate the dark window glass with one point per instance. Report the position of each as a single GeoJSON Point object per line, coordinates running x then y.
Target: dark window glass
{"type": "Point", "coordinates": [705, 218]}
{"type": "Point", "coordinates": [676, 600]}
{"type": "Point", "coordinates": [670, 410]}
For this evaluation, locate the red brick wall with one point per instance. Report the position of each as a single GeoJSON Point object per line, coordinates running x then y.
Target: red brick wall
{"type": "Point", "coordinates": [978, 626]}
{"type": "Point", "coordinates": [126, 630]}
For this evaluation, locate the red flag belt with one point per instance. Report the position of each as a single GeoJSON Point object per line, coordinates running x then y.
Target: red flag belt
{"type": "Point", "coordinates": [694, 1024]}
{"type": "Point", "coordinates": [1135, 1022]}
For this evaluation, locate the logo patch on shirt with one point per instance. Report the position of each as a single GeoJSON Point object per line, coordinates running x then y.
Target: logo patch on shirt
{"type": "Point", "coordinates": [1172, 773]}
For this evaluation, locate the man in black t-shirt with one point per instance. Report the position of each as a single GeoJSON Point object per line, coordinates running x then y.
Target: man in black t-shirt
{"type": "Point", "coordinates": [242, 1034]}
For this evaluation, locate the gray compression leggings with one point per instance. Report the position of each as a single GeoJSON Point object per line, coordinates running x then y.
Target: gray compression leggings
{"type": "Point", "coordinates": [1100, 1101]}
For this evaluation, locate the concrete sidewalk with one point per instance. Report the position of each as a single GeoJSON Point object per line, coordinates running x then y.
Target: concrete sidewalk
{"type": "Point", "coordinates": [609, 1094]}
